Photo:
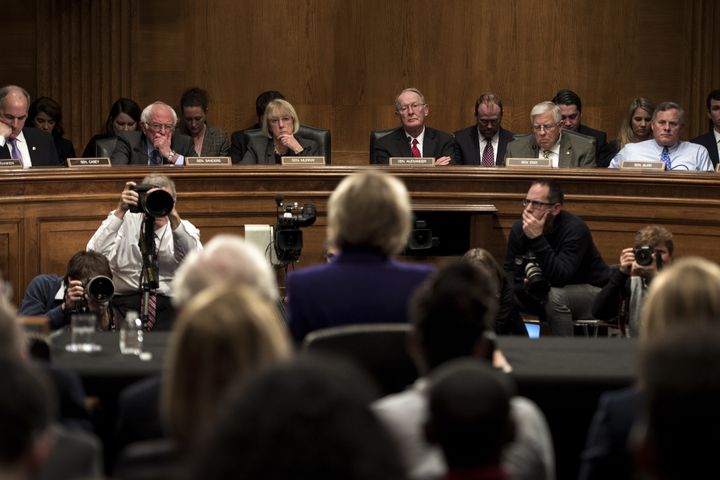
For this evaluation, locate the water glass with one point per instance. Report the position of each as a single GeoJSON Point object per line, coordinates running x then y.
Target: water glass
{"type": "Point", "coordinates": [131, 334]}
{"type": "Point", "coordinates": [82, 333]}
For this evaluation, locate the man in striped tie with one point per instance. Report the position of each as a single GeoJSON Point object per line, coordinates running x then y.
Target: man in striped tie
{"type": "Point", "coordinates": [124, 240]}
{"type": "Point", "coordinates": [667, 123]}
{"type": "Point", "coordinates": [485, 142]}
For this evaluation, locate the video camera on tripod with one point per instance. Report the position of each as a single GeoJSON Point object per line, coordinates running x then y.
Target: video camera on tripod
{"type": "Point", "coordinates": [287, 236]}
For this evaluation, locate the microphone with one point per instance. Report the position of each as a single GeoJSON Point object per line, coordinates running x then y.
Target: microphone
{"type": "Point", "coordinates": [278, 199]}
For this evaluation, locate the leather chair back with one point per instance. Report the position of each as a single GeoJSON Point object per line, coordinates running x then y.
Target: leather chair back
{"type": "Point", "coordinates": [105, 147]}
{"type": "Point", "coordinates": [376, 135]}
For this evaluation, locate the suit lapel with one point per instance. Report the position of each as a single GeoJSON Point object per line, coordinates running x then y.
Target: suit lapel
{"type": "Point", "coordinates": [429, 143]}
{"type": "Point", "coordinates": [402, 144]}
{"type": "Point", "coordinates": [566, 153]}
{"type": "Point", "coordinates": [475, 146]}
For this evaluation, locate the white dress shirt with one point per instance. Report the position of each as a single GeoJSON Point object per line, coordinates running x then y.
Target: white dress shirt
{"type": "Point", "coordinates": [420, 139]}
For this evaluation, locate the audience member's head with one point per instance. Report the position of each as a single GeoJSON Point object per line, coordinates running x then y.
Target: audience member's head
{"type": "Point", "coordinates": [306, 420]}
{"type": "Point", "coordinates": [687, 293]}
{"type": "Point", "coordinates": [545, 122]}
{"type": "Point", "coordinates": [26, 412]}
{"type": "Point", "coordinates": [658, 238]}
{"type": "Point", "coordinates": [452, 313]}
{"type": "Point", "coordinates": [224, 259]}
{"type": "Point", "coordinates": [369, 210]}
{"type": "Point", "coordinates": [636, 123]}
{"type": "Point", "coordinates": [483, 259]}
{"type": "Point", "coordinates": [469, 413]}
{"type": "Point", "coordinates": [570, 107]}
{"type": "Point", "coordinates": [85, 265]}
{"type": "Point", "coordinates": [677, 434]}
{"type": "Point", "coordinates": [262, 100]}
{"type": "Point", "coordinates": [45, 113]}
{"type": "Point", "coordinates": [124, 116]}
{"type": "Point", "coordinates": [223, 335]}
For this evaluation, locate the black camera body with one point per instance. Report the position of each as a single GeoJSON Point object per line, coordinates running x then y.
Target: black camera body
{"type": "Point", "coordinates": [157, 203]}
{"type": "Point", "coordinates": [99, 289]}
{"type": "Point", "coordinates": [536, 285]}
{"type": "Point", "coordinates": [287, 237]}
{"type": "Point", "coordinates": [644, 256]}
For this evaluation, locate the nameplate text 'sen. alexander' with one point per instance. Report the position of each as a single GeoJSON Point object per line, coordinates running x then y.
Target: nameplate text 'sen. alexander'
{"type": "Point", "coordinates": [412, 161]}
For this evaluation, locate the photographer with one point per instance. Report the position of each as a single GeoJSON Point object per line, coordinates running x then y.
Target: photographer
{"type": "Point", "coordinates": [59, 297]}
{"type": "Point", "coordinates": [119, 238]}
{"type": "Point", "coordinates": [625, 292]}
{"type": "Point", "coordinates": [560, 245]}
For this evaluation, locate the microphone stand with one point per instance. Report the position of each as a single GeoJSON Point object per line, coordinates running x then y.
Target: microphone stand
{"type": "Point", "coordinates": [149, 276]}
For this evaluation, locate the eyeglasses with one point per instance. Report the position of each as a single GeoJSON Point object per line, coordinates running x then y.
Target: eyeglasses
{"type": "Point", "coordinates": [547, 128]}
{"type": "Point", "coordinates": [536, 204]}
{"type": "Point", "coordinates": [276, 120]}
{"type": "Point", "coordinates": [413, 107]}
{"type": "Point", "coordinates": [159, 127]}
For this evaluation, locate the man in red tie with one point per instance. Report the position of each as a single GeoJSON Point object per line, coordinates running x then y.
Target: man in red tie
{"type": "Point", "coordinates": [413, 138]}
{"type": "Point", "coordinates": [484, 143]}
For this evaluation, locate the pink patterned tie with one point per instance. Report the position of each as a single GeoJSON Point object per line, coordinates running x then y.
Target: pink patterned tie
{"type": "Point", "coordinates": [488, 157]}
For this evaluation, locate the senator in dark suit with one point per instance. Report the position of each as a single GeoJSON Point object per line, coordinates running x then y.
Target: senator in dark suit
{"type": "Point", "coordinates": [467, 146]}
{"type": "Point", "coordinates": [711, 140]}
{"type": "Point", "coordinates": [278, 136]}
{"type": "Point", "coordinates": [33, 146]}
{"type": "Point", "coordinates": [156, 143]}
{"type": "Point", "coordinates": [471, 143]}
{"type": "Point", "coordinates": [571, 116]}
{"type": "Point", "coordinates": [369, 220]}
{"type": "Point", "coordinates": [566, 149]}
{"type": "Point", "coordinates": [413, 139]}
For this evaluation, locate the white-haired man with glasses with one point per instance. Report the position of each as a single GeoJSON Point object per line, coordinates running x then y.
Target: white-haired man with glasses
{"type": "Point", "coordinates": [556, 269]}
{"type": "Point", "coordinates": [564, 148]}
{"type": "Point", "coordinates": [157, 143]}
{"type": "Point", "coordinates": [413, 138]}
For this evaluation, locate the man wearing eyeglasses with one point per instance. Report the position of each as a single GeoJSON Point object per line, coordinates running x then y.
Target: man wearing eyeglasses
{"type": "Point", "coordinates": [486, 142]}
{"type": "Point", "coordinates": [157, 143]}
{"type": "Point", "coordinates": [570, 116]}
{"type": "Point", "coordinates": [565, 149]}
{"type": "Point", "coordinates": [556, 268]}
{"type": "Point", "coordinates": [413, 138]}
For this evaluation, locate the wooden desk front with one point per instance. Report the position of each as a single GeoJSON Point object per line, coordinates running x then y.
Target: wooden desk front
{"type": "Point", "coordinates": [48, 214]}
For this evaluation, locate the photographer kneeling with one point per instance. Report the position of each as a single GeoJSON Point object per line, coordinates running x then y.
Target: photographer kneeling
{"type": "Point", "coordinates": [556, 268]}
{"type": "Point", "coordinates": [625, 292]}
{"type": "Point", "coordinates": [144, 262]}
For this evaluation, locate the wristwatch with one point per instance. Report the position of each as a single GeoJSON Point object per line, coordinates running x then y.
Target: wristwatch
{"type": "Point", "coordinates": [171, 156]}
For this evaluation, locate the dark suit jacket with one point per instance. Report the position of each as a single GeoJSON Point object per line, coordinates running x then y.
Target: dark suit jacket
{"type": "Point", "coordinates": [65, 149]}
{"type": "Point", "coordinates": [707, 140]}
{"type": "Point", "coordinates": [435, 144]}
{"type": "Point", "coordinates": [606, 451]}
{"type": "Point", "coordinates": [260, 150]}
{"type": "Point", "coordinates": [215, 142]}
{"type": "Point", "coordinates": [238, 147]}
{"type": "Point", "coordinates": [575, 150]}
{"type": "Point", "coordinates": [600, 139]}
{"type": "Point", "coordinates": [138, 414]}
{"type": "Point", "coordinates": [131, 148]}
{"type": "Point", "coordinates": [467, 146]}
{"type": "Point", "coordinates": [358, 286]}
{"type": "Point", "coordinates": [41, 146]}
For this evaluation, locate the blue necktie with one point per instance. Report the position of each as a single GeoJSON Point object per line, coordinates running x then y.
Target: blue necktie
{"type": "Point", "coordinates": [156, 158]}
{"type": "Point", "coordinates": [665, 157]}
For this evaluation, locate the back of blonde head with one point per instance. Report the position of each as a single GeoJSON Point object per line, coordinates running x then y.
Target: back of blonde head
{"type": "Point", "coordinates": [369, 210]}
{"type": "Point", "coordinates": [224, 334]}
{"type": "Point", "coordinates": [688, 292]}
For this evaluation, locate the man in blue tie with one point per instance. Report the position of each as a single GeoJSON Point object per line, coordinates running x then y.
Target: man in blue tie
{"type": "Point", "coordinates": [665, 146]}
{"type": "Point", "coordinates": [31, 146]}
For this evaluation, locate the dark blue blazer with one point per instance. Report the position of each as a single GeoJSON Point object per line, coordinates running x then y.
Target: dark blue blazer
{"type": "Point", "coordinates": [467, 146]}
{"type": "Point", "coordinates": [41, 146]}
{"type": "Point", "coordinates": [707, 140]}
{"type": "Point", "coordinates": [606, 451]}
{"type": "Point", "coordinates": [395, 144]}
{"type": "Point", "coordinates": [358, 286]}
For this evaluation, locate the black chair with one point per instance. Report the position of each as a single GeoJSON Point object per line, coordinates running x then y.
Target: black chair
{"type": "Point", "coordinates": [380, 349]}
{"type": "Point", "coordinates": [376, 135]}
{"type": "Point", "coordinates": [320, 136]}
{"type": "Point", "coordinates": [104, 147]}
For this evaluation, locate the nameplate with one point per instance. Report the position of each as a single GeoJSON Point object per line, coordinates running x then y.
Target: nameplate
{"type": "Point", "coordinates": [412, 161]}
{"type": "Point", "coordinates": [89, 162]}
{"type": "Point", "coordinates": [642, 165]}
{"type": "Point", "coordinates": [528, 162]}
{"type": "Point", "coordinates": [207, 161]}
{"type": "Point", "coordinates": [318, 160]}
{"type": "Point", "coordinates": [10, 163]}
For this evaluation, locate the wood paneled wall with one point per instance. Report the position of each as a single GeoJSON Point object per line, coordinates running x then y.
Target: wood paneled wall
{"type": "Point", "coordinates": [341, 62]}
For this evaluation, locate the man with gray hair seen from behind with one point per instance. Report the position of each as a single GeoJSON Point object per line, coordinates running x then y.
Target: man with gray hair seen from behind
{"type": "Point", "coordinates": [564, 148]}
{"type": "Point", "coordinates": [668, 121]}
{"type": "Point", "coordinates": [31, 146]}
{"type": "Point", "coordinates": [157, 143]}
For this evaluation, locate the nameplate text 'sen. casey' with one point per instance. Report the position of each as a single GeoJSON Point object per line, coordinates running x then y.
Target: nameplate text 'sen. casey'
{"type": "Point", "coordinates": [88, 162]}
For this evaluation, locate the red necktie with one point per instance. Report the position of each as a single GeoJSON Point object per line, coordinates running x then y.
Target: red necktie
{"type": "Point", "coordinates": [415, 150]}
{"type": "Point", "coordinates": [488, 159]}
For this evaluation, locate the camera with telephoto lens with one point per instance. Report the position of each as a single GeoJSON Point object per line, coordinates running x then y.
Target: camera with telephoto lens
{"type": "Point", "coordinates": [157, 203]}
{"type": "Point", "coordinates": [287, 237]}
{"type": "Point", "coordinates": [536, 285]}
{"type": "Point", "coordinates": [644, 256]}
{"type": "Point", "coordinates": [99, 289]}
